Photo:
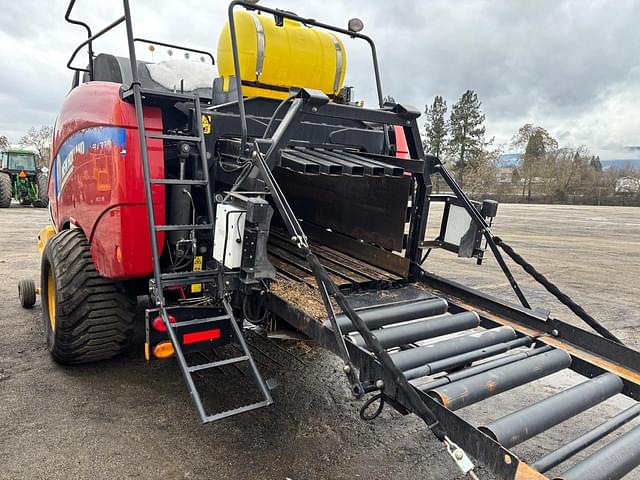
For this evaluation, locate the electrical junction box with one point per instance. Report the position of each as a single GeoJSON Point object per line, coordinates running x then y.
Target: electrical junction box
{"type": "Point", "coordinates": [228, 239]}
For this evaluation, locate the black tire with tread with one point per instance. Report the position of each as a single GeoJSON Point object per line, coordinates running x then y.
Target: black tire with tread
{"type": "Point", "coordinates": [43, 195]}
{"type": "Point", "coordinates": [27, 293]}
{"type": "Point", "coordinates": [94, 315]}
{"type": "Point", "coordinates": [5, 190]}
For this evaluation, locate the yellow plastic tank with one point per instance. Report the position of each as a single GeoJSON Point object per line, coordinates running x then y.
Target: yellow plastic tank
{"type": "Point", "coordinates": [275, 58]}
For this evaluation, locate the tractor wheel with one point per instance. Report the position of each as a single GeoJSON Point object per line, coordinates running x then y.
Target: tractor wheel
{"type": "Point", "coordinates": [43, 185]}
{"type": "Point", "coordinates": [27, 293]}
{"type": "Point", "coordinates": [5, 190]}
{"type": "Point", "coordinates": [86, 317]}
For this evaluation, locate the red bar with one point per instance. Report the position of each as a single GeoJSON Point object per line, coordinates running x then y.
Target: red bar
{"type": "Point", "coordinates": [203, 336]}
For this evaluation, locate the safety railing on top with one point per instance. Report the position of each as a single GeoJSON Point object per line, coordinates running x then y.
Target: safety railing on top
{"type": "Point", "coordinates": [304, 21]}
{"type": "Point", "coordinates": [92, 37]}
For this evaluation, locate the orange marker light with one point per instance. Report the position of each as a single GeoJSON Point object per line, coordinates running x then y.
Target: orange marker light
{"type": "Point", "coordinates": [163, 350]}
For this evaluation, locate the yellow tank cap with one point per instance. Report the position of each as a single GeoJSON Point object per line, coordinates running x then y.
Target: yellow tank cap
{"type": "Point", "coordinates": [275, 58]}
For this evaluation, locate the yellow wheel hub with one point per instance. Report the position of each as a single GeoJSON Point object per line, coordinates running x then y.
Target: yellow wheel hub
{"type": "Point", "coordinates": [51, 300]}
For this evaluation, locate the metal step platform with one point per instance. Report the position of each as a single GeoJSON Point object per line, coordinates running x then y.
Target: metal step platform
{"type": "Point", "coordinates": [163, 280]}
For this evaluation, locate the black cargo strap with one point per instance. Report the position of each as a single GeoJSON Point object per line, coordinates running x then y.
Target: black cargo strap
{"type": "Point", "coordinates": [416, 403]}
{"type": "Point", "coordinates": [556, 292]}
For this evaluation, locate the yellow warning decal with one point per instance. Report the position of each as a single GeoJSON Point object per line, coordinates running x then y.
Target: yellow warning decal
{"type": "Point", "coordinates": [206, 124]}
{"type": "Point", "coordinates": [197, 267]}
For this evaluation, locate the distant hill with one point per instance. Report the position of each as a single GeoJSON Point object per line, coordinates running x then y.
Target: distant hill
{"type": "Point", "coordinates": [620, 164]}
{"type": "Point", "coordinates": [509, 160]}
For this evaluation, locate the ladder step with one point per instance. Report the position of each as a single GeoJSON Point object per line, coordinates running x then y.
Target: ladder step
{"type": "Point", "coordinates": [179, 228]}
{"type": "Point", "coordinates": [173, 181]}
{"type": "Point", "coordinates": [219, 363]}
{"type": "Point", "coordinates": [236, 411]}
{"type": "Point", "coordinates": [179, 138]}
{"type": "Point", "coordinates": [187, 278]}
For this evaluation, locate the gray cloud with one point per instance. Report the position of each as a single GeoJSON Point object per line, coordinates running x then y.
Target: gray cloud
{"type": "Point", "coordinates": [570, 66]}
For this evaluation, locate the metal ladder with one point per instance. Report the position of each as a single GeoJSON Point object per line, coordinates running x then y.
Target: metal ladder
{"type": "Point", "coordinates": [164, 280]}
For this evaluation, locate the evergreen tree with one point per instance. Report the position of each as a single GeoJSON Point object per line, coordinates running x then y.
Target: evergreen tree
{"type": "Point", "coordinates": [595, 163]}
{"type": "Point", "coordinates": [534, 155]}
{"type": "Point", "coordinates": [466, 131]}
{"type": "Point", "coordinates": [436, 127]}
{"type": "Point", "coordinates": [537, 144]}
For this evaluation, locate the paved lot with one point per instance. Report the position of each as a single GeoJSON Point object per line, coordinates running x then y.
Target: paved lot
{"type": "Point", "coordinates": [128, 419]}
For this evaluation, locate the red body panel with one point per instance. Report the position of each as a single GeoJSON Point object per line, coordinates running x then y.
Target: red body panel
{"type": "Point", "coordinates": [96, 181]}
{"type": "Point", "coordinates": [402, 148]}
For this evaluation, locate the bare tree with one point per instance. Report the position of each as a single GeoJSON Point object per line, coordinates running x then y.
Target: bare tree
{"type": "Point", "coordinates": [570, 168]}
{"type": "Point", "coordinates": [39, 138]}
{"type": "Point", "coordinates": [4, 142]}
{"type": "Point", "coordinates": [481, 173]}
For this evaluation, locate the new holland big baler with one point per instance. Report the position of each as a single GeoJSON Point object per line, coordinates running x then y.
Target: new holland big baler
{"type": "Point", "coordinates": [265, 195]}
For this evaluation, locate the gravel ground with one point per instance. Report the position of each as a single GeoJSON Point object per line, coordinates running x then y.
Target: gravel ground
{"type": "Point", "coordinates": [128, 419]}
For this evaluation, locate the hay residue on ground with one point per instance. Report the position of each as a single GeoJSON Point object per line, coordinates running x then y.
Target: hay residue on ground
{"type": "Point", "coordinates": [302, 296]}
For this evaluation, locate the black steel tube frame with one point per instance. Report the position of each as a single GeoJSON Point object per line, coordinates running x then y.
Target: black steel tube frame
{"type": "Point", "coordinates": [89, 41]}
{"type": "Point", "coordinates": [462, 298]}
{"type": "Point", "coordinates": [523, 424]}
{"type": "Point", "coordinates": [498, 459]}
{"type": "Point", "coordinates": [397, 335]}
{"type": "Point", "coordinates": [613, 461]}
{"type": "Point", "coordinates": [474, 389]}
{"type": "Point", "coordinates": [483, 367]}
{"type": "Point", "coordinates": [386, 315]}
{"type": "Point", "coordinates": [304, 21]}
{"type": "Point", "coordinates": [67, 17]}
{"type": "Point", "coordinates": [583, 441]}
{"type": "Point", "coordinates": [465, 358]}
{"type": "Point", "coordinates": [414, 357]}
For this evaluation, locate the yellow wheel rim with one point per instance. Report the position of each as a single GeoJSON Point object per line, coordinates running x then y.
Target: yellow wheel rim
{"type": "Point", "coordinates": [51, 300]}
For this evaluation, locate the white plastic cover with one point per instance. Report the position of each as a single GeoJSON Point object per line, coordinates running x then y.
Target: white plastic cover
{"type": "Point", "coordinates": [169, 73]}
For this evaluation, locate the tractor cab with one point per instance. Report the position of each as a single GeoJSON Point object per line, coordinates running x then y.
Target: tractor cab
{"type": "Point", "coordinates": [21, 179]}
{"type": "Point", "coordinates": [18, 161]}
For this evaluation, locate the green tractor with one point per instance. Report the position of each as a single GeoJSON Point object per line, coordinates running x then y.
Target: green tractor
{"type": "Point", "coordinates": [20, 178]}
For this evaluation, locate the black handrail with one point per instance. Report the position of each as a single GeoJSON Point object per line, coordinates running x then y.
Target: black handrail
{"type": "Point", "coordinates": [113, 24]}
{"type": "Point", "coordinates": [82, 24]}
{"type": "Point", "coordinates": [179, 47]}
{"type": "Point", "coordinates": [304, 21]}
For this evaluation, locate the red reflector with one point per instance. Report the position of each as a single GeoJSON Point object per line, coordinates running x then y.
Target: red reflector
{"type": "Point", "coordinates": [203, 336]}
{"type": "Point", "coordinates": [158, 325]}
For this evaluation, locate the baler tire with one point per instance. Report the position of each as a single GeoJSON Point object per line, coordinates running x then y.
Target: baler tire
{"type": "Point", "coordinates": [92, 315]}
{"type": "Point", "coordinates": [5, 190]}
{"type": "Point", "coordinates": [43, 194]}
{"type": "Point", "coordinates": [27, 293]}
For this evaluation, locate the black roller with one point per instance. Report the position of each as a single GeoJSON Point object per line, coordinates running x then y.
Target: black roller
{"type": "Point", "coordinates": [528, 422]}
{"type": "Point", "coordinates": [466, 358]}
{"type": "Point", "coordinates": [583, 441]}
{"type": "Point", "coordinates": [487, 384]}
{"type": "Point", "coordinates": [611, 462]}
{"type": "Point", "coordinates": [414, 357]}
{"type": "Point", "coordinates": [483, 367]}
{"type": "Point", "coordinates": [386, 315]}
{"type": "Point", "coordinates": [421, 330]}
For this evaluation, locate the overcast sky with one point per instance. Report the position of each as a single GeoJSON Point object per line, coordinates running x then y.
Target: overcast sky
{"type": "Point", "coordinates": [570, 66]}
